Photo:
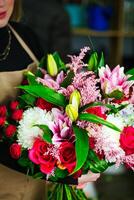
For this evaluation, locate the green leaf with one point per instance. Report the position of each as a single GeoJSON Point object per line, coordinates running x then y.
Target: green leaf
{"type": "Point", "coordinates": [98, 120]}
{"type": "Point", "coordinates": [28, 99]}
{"type": "Point", "coordinates": [46, 93]}
{"type": "Point", "coordinates": [38, 175]}
{"type": "Point", "coordinates": [93, 61]}
{"type": "Point", "coordinates": [81, 147]}
{"type": "Point", "coordinates": [102, 61]}
{"type": "Point", "coordinates": [131, 71]}
{"type": "Point", "coordinates": [24, 161]}
{"type": "Point", "coordinates": [47, 136]}
{"type": "Point", "coordinates": [116, 94]}
{"type": "Point", "coordinates": [60, 173]}
{"type": "Point", "coordinates": [112, 108]}
{"type": "Point", "coordinates": [31, 78]}
{"type": "Point", "coordinates": [131, 78]}
{"type": "Point", "coordinates": [94, 163]}
{"type": "Point", "coordinates": [68, 192]}
{"type": "Point", "coordinates": [60, 64]}
{"type": "Point", "coordinates": [59, 193]}
{"type": "Point", "coordinates": [68, 80]}
{"type": "Point", "coordinates": [42, 63]}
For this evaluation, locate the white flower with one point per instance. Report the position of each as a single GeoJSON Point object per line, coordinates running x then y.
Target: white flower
{"type": "Point", "coordinates": [111, 134]}
{"type": "Point", "coordinates": [128, 115]}
{"type": "Point", "coordinates": [27, 132]}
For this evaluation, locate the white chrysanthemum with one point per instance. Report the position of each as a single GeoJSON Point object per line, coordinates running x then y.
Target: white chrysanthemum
{"type": "Point", "coordinates": [128, 115]}
{"type": "Point", "coordinates": [27, 132]}
{"type": "Point", "coordinates": [108, 140]}
{"type": "Point", "coordinates": [112, 134]}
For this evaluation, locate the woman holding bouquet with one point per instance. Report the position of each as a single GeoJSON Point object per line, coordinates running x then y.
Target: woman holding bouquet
{"type": "Point", "coordinates": [18, 49]}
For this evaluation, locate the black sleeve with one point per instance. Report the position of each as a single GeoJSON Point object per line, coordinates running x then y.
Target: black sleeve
{"type": "Point", "coordinates": [30, 38]}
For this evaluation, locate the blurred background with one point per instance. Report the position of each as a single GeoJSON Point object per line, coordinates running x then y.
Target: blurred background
{"type": "Point", "coordinates": [104, 25]}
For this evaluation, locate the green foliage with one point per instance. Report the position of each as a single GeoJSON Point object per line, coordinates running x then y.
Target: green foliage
{"type": "Point", "coordinates": [68, 80]}
{"type": "Point", "coordinates": [81, 147]}
{"type": "Point", "coordinates": [28, 99]}
{"type": "Point", "coordinates": [60, 64]}
{"type": "Point", "coordinates": [65, 192]}
{"type": "Point", "coordinates": [116, 94]}
{"type": "Point", "coordinates": [98, 120]}
{"type": "Point", "coordinates": [38, 175]}
{"type": "Point", "coordinates": [95, 164]}
{"type": "Point", "coordinates": [101, 63]}
{"type": "Point", "coordinates": [46, 93]}
{"type": "Point", "coordinates": [94, 62]}
{"type": "Point", "coordinates": [25, 162]}
{"type": "Point", "coordinates": [47, 133]}
{"type": "Point", "coordinates": [60, 173]}
{"type": "Point", "coordinates": [131, 72]}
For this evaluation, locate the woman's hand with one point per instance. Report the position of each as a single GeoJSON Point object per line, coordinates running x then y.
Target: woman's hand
{"type": "Point", "coordinates": [89, 177]}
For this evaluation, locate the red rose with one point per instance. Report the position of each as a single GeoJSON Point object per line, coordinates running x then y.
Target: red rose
{"type": "Point", "coordinates": [41, 103]}
{"type": "Point", "coordinates": [2, 121]}
{"type": "Point", "coordinates": [97, 111]}
{"type": "Point", "coordinates": [47, 166]}
{"type": "Point", "coordinates": [14, 105]}
{"type": "Point", "coordinates": [17, 114]}
{"type": "Point", "coordinates": [40, 156]}
{"type": "Point", "coordinates": [10, 130]}
{"type": "Point", "coordinates": [127, 140]}
{"type": "Point", "coordinates": [3, 111]}
{"type": "Point", "coordinates": [67, 155]}
{"type": "Point", "coordinates": [15, 151]}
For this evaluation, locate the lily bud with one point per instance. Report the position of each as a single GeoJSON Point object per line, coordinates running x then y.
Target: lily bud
{"type": "Point", "coordinates": [72, 112]}
{"type": "Point", "coordinates": [75, 99]}
{"type": "Point", "coordinates": [27, 72]}
{"type": "Point", "coordinates": [51, 66]}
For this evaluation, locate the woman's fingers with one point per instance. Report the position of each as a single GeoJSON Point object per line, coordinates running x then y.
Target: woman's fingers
{"type": "Point", "coordinates": [89, 177]}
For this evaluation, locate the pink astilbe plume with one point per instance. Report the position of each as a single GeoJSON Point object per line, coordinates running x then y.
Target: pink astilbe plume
{"type": "Point", "coordinates": [129, 160]}
{"type": "Point", "coordinates": [86, 83]}
{"type": "Point", "coordinates": [76, 61]}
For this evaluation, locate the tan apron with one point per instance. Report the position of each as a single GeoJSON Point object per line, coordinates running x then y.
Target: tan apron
{"type": "Point", "coordinates": [15, 185]}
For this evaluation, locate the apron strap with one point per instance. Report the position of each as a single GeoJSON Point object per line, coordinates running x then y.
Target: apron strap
{"type": "Point", "coordinates": [24, 45]}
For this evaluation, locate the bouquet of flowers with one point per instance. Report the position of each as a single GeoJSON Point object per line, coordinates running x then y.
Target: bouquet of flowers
{"type": "Point", "coordinates": [71, 118]}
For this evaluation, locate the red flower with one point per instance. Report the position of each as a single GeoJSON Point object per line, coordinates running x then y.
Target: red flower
{"type": "Point", "coordinates": [96, 111]}
{"type": "Point", "coordinates": [10, 130]}
{"type": "Point", "coordinates": [127, 140]}
{"type": "Point", "coordinates": [92, 142]}
{"type": "Point", "coordinates": [2, 121]}
{"type": "Point", "coordinates": [3, 111]}
{"type": "Point", "coordinates": [41, 103]}
{"type": "Point", "coordinates": [17, 114]}
{"type": "Point", "coordinates": [15, 150]}
{"type": "Point", "coordinates": [38, 155]}
{"type": "Point", "coordinates": [14, 105]}
{"type": "Point", "coordinates": [67, 155]}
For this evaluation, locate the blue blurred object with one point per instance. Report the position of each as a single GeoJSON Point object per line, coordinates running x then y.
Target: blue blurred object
{"type": "Point", "coordinates": [77, 14]}
{"type": "Point", "coordinates": [98, 17]}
